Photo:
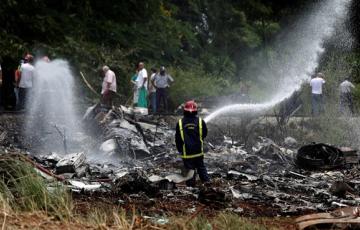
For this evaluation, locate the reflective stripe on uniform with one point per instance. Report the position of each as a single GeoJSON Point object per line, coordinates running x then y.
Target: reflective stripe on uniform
{"type": "Point", "coordinates": [192, 156]}
{"type": "Point", "coordinates": [201, 135]}
{"type": "Point", "coordinates": [182, 138]}
{"type": "Point", "coordinates": [184, 155]}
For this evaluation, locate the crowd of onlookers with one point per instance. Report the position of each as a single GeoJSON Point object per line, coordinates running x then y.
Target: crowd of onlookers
{"type": "Point", "coordinates": [148, 92]}
{"type": "Point", "coordinates": [17, 82]}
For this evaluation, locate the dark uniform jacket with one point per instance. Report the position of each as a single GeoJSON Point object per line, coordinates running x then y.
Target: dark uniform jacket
{"type": "Point", "coordinates": [193, 145]}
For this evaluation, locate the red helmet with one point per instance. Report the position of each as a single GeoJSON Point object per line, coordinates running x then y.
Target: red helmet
{"type": "Point", "coordinates": [190, 106]}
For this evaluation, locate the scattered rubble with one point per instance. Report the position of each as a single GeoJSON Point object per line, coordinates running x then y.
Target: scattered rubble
{"type": "Point", "coordinates": [136, 161]}
{"type": "Point", "coordinates": [70, 163]}
{"type": "Point", "coordinates": [126, 137]}
{"type": "Point", "coordinates": [320, 156]}
{"type": "Point", "coordinates": [340, 189]}
{"type": "Point", "coordinates": [290, 142]}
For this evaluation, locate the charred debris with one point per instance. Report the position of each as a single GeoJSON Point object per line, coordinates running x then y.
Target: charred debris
{"type": "Point", "coordinates": [134, 155]}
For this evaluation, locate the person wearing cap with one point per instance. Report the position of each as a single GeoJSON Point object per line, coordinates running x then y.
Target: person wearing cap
{"type": "Point", "coordinates": [316, 84]}
{"type": "Point", "coordinates": [108, 89]}
{"type": "Point", "coordinates": [190, 133]}
{"type": "Point", "coordinates": [346, 101]}
{"type": "Point", "coordinates": [25, 82]}
{"type": "Point", "coordinates": [162, 83]}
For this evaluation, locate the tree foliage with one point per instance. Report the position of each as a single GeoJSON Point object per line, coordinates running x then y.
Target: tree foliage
{"type": "Point", "coordinates": [210, 39]}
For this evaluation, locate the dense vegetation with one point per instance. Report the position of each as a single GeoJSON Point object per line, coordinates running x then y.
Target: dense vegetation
{"type": "Point", "coordinates": [213, 43]}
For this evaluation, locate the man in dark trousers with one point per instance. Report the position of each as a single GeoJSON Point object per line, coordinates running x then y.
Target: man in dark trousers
{"type": "Point", "coordinates": [190, 133]}
{"type": "Point", "coordinates": [162, 84]}
{"type": "Point", "coordinates": [26, 81]}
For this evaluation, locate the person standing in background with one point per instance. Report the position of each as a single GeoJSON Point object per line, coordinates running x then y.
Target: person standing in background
{"type": "Point", "coordinates": [142, 85]}
{"type": "Point", "coordinates": [316, 94]}
{"type": "Point", "coordinates": [152, 90]}
{"type": "Point", "coordinates": [346, 101]}
{"type": "Point", "coordinates": [25, 83]}
{"type": "Point", "coordinates": [108, 86]}
{"type": "Point", "coordinates": [162, 85]}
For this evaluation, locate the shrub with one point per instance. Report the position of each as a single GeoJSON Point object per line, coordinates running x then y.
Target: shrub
{"type": "Point", "coordinates": [195, 83]}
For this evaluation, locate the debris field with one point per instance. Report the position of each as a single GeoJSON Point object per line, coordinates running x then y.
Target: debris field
{"type": "Point", "coordinates": [133, 163]}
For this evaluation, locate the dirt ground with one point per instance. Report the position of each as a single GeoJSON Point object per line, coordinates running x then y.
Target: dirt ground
{"type": "Point", "coordinates": [38, 221]}
{"type": "Point", "coordinates": [255, 213]}
{"type": "Point", "coordinates": [42, 221]}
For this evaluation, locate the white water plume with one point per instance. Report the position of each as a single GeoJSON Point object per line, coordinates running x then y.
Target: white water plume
{"type": "Point", "coordinates": [299, 52]}
{"type": "Point", "coordinates": [51, 107]}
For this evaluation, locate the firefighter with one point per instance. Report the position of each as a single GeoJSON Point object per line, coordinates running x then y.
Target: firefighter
{"type": "Point", "coordinates": [190, 133]}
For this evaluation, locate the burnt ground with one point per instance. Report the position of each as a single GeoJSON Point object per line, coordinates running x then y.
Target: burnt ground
{"type": "Point", "coordinates": [11, 128]}
{"type": "Point", "coordinates": [258, 213]}
{"type": "Point", "coordinates": [41, 221]}
{"type": "Point", "coordinates": [260, 181]}
{"type": "Point", "coordinates": [11, 140]}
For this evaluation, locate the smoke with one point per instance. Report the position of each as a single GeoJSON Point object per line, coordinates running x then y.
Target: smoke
{"type": "Point", "coordinates": [298, 55]}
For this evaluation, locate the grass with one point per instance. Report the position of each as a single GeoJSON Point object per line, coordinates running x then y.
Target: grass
{"type": "Point", "coordinates": [24, 190]}
{"type": "Point", "coordinates": [226, 221]}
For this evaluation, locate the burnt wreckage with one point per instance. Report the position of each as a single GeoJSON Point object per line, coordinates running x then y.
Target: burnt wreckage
{"type": "Point", "coordinates": [138, 157]}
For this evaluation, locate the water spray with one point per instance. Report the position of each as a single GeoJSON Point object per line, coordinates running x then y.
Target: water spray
{"type": "Point", "coordinates": [52, 101]}
{"type": "Point", "coordinates": [299, 55]}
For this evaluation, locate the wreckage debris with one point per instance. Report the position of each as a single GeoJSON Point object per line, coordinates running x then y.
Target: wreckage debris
{"type": "Point", "coordinates": [351, 155]}
{"type": "Point", "coordinates": [340, 189]}
{"type": "Point", "coordinates": [320, 156]}
{"type": "Point", "coordinates": [123, 135]}
{"type": "Point", "coordinates": [290, 142]}
{"type": "Point", "coordinates": [70, 163]}
{"type": "Point", "coordinates": [267, 174]}
{"type": "Point", "coordinates": [135, 182]}
{"type": "Point", "coordinates": [134, 157]}
{"type": "Point", "coordinates": [78, 186]}
{"type": "Point", "coordinates": [212, 196]}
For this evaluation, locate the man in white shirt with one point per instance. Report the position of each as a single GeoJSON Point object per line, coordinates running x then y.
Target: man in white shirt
{"type": "Point", "coordinates": [108, 89]}
{"type": "Point", "coordinates": [141, 82]}
{"type": "Point", "coordinates": [142, 76]}
{"type": "Point", "coordinates": [316, 93]}
{"type": "Point", "coordinates": [26, 80]}
{"type": "Point", "coordinates": [162, 84]}
{"type": "Point", "coordinates": [346, 102]}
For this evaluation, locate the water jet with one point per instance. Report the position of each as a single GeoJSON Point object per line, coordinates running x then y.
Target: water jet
{"type": "Point", "coordinates": [299, 51]}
